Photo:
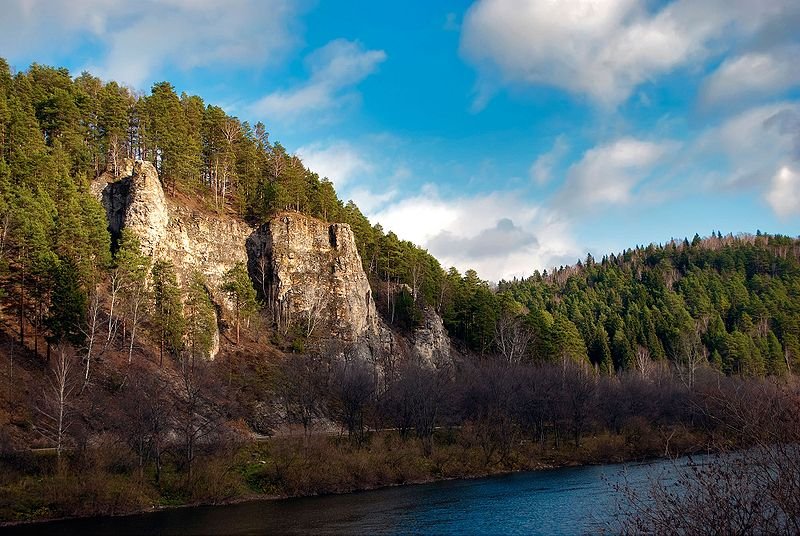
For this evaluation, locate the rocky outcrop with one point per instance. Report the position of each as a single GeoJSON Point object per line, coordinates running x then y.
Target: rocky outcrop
{"type": "Point", "coordinates": [312, 274]}
{"type": "Point", "coordinates": [308, 271]}
{"type": "Point", "coordinates": [192, 240]}
{"type": "Point", "coordinates": [431, 342]}
{"type": "Point", "coordinates": [136, 202]}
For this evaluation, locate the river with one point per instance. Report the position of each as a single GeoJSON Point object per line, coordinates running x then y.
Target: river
{"type": "Point", "coordinates": [556, 501]}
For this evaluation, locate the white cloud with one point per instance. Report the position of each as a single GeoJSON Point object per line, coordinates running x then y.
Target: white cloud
{"type": "Point", "coordinates": [133, 41]}
{"type": "Point", "coordinates": [499, 234]}
{"type": "Point", "coordinates": [334, 71]}
{"type": "Point", "coordinates": [368, 201]}
{"type": "Point", "coordinates": [607, 174]}
{"type": "Point", "coordinates": [754, 144]}
{"type": "Point", "coordinates": [784, 193]}
{"type": "Point", "coordinates": [601, 48]}
{"type": "Point", "coordinates": [541, 171]}
{"type": "Point", "coordinates": [339, 161]}
{"type": "Point", "coordinates": [755, 74]}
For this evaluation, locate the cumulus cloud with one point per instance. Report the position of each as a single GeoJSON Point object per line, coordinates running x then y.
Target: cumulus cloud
{"type": "Point", "coordinates": [499, 234]}
{"type": "Point", "coordinates": [132, 41]}
{"type": "Point", "coordinates": [754, 144]}
{"type": "Point", "coordinates": [541, 171]}
{"type": "Point", "coordinates": [495, 241]}
{"type": "Point", "coordinates": [784, 193]}
{"type": "Point", "coordinates": [603, 49]}
{"type": "Point", "coordinates": [334, 71]}
{"type": "Point", "coordinates": [608, 173]}
{"type": "Point", "coordinates": [753, 75]}
{"type": "Point", "coordinates": [369, 201]}
{"type": "Point", "coordinates": [339, 161]}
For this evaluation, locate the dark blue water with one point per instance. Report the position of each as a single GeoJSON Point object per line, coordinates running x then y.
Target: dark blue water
{"type": "Point", "coordinates": [558, 501]}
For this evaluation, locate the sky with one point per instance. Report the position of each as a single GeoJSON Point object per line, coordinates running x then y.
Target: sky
{"type": "Point", "coordinates": [501, 135]}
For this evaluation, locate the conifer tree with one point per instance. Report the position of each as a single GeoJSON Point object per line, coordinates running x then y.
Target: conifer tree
{"type": "Point", "coordinates": [168, 318]}
{"type": "Point", "coordinates": [240, 290]}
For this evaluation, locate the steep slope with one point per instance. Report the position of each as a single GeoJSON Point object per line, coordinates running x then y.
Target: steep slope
{"type": "Point", "coordinates": [308, 272]}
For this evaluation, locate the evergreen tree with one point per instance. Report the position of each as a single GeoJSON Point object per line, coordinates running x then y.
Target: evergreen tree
{"type": "Point", "coordinates": [240, 291]}
{"type": "Point", "coordinates": [168, 318]}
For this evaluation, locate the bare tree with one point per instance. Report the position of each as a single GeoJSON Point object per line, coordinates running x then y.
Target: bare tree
{"type": "Point", "coordinates": [692, 355]}
{"type": "Point", "coordinates": [644, 364]}
{"type": "Point", "coordinates": [146, 404]}
{"type": "Point", "coordinates": [752, 491]}
{"type": "Point", "coordinates": [352, 388]}
{"type": "Point", "coordinates": [314, 312]}
{"type": "Point", "coordinates": [300, 389]}
{"type": "Point", "coordinates": [55, 408]}
{"type": "Point", "coordinates": [90, 331]}
{"type": "Point", "coordinates": [511, 337]}
{"type": "Point", "coordinates": [136, 298]}
{"type": "Point", "coordinates": [230, 132]}
{"type": "Point", "coordinates": [415, 400]}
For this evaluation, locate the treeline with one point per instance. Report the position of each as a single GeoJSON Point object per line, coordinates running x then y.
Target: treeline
{"type": "Point", "coordinates": [731, 302]}
{"type": "Point", "coordinates": [57, 133]}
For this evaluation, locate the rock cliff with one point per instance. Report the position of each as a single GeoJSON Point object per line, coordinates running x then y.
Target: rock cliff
{"type": "Point", "coordinates": [431, 342]}
{"type": "Point", "coordinates": [309, 272]}
{"type": "Point", "coordinates": [191, 239]}
{"type": "Point", "coordinates": [313, 275]}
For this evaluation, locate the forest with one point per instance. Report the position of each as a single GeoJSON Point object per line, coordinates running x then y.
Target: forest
{"type": "Point", "coordinates": [624, 357]}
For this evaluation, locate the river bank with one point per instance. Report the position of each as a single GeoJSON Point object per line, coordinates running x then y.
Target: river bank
{"type": "Point", "coordinates": [106, 485]}
{"type": "Point", "coordinates": [574, 500]}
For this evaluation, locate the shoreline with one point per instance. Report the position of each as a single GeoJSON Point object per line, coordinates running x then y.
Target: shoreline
{"type": "Point", "coordinates": [270, 498]}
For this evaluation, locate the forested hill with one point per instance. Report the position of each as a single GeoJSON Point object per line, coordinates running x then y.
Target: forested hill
{"type": "Point", "coordinates": [733, 301]}
{"type": "Point", "coordinates": [730, 300]}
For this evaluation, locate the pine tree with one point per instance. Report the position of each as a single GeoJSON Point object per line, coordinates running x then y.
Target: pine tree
{"type": "Point", "coordinates": [168, 318]}
{"type": "Point", "coordinates": [239, 289]}
{"type": "Point", "coordinates": [200, 319]}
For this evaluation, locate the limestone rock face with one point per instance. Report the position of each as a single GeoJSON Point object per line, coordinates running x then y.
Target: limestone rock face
{"type": "Point", "coordinates": [308, 271]}
{"type": "Point", "coordinates": [314, 276]}
{"type": "Point", "coordinates": [191, 240]}
{"type": "Point", "coordinates": [431, 342]}
{"type": "Point", "coordinates": [137, 202]}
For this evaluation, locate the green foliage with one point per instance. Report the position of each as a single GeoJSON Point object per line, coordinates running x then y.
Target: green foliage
{"type": "Point", "coordinates": [168, 320]}
{"type": "Point", "coordinates": [738, 294]}
{"type": "Point", "coordinates": [200, 318]}
{"type": "Point", "coordinates": [67, 311]}
{"type": "Point", "coordinates": [239, 288]}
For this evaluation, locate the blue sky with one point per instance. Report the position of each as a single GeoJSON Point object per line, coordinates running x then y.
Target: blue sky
{"type": "Point", "coordinates": [502, 135]}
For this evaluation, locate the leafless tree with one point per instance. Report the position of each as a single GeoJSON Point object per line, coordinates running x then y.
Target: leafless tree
{"type": "Point", "coordinates": [230, 132]}
{"type": "Point", "coordinates": [147, 404]}
{"type": "Point", "coordinates": [300, 389]}
{"type": "Point", "coordinates": [313, 313]}
{"type": "Point", "coordinates": [692, 355]}
{"type": "Point", "coordinates": [511, 337]}
{"type": "Point", "coordinates": [414, 402]}
{"type": "Point", "coordinates": [136, 298]}
{"type": "Point", "coordinates": [90, 331]}
{"type": "Point", "coordinates": [750, 491]}
{"type": "Point", "coordinates": [352, 388]}
{"type": "Point", "coordinates": [579, 391]}
{"type": "Point", "coordinates": [644, 363]}
{"type": "Point", "coordinates": [197, 417]}
{"type": "Point", "coordinates": [56, 406]}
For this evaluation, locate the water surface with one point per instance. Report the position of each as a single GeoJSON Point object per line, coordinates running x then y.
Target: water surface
{"type": "Point", "coordinates": [557, 501]}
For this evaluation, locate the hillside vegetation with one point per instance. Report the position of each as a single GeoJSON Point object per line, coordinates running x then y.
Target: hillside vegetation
{"type": "Point", "coordinates": [108, 403]}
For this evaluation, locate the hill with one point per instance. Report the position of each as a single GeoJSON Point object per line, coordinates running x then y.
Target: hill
{"type": "Point", "coordinates": [189, 314]}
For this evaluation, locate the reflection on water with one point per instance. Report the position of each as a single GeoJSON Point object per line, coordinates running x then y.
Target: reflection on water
{"type": "Point", "coordinates": [558, 501]}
